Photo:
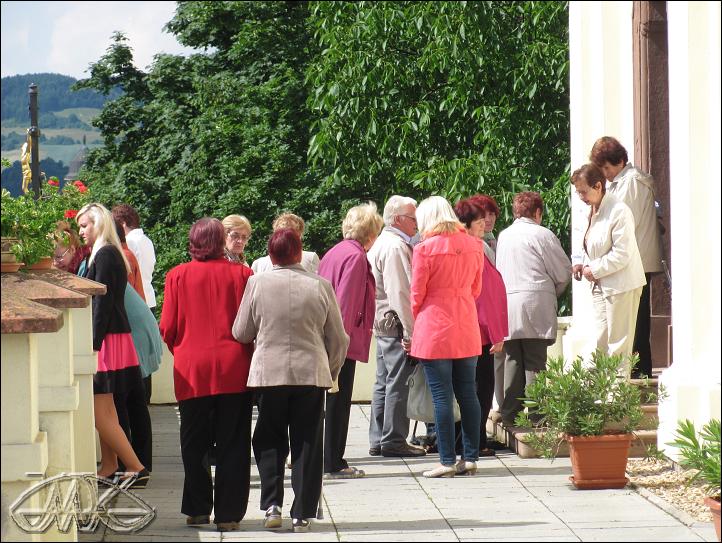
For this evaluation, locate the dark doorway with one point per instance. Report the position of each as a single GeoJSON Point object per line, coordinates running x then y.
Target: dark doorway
{"type": "Point", "coordinates": [651, 149]}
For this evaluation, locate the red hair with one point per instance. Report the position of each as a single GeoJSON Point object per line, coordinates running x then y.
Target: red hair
{"type": "Point", "coordinates": [206, 239]}
{"type": "Point", "coordinates": [486, 203]}
{"type": "Point", "coordinates": [526, 204]}
{"type": "Point", "coordinates": [468, 211]}
{"type": "Point", "coordinates": [284, 247]}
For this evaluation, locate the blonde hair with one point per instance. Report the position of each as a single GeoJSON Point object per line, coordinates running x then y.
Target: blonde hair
{"type": "Point", "coordinates": [436, 216]}
{"type": "Point", "coordinates": [104, 224]}
{"type": "Point", "coordinates": [289, 220]}
{"type": "Point", "coordinates": [236, 221]}
{"type": "Point", "coordinates": [362, 222]}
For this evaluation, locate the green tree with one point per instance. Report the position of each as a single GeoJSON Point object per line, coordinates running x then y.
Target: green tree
{"type": "Point", "coordinates": [449, 98]}
{"type": "Point", "coordinates": [223, 131]}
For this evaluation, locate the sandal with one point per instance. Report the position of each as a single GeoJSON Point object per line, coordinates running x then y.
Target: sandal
{"type": "Point", "coordinates": [346, 473]}
{"type": "Point", "coordinates": [139, 478]}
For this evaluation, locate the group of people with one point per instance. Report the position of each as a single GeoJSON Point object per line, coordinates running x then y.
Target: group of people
{"type": "Point", "coordinates": [287, 331]}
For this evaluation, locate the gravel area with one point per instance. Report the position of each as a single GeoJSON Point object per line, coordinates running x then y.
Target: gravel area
{"type": "Point", "coordinates": [663, 479]}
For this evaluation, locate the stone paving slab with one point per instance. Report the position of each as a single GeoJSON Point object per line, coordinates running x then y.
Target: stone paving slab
{"type": "Point", "coordinates": [509, 499]}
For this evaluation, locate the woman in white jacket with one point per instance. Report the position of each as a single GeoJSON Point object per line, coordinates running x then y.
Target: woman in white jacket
{"type": "Point", "coordinates": [612, 263]}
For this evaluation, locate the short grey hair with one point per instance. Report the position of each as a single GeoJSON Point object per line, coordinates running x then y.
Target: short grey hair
{"type": "Point", "coordinates": [393, 207]}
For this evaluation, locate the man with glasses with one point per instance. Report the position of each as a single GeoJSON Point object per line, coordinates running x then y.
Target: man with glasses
{"type": "Point", "coordinates": [390, 259]}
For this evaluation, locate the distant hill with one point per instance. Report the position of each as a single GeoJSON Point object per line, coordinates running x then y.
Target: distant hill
{"type": "Point", "coordinates": [54, 94]}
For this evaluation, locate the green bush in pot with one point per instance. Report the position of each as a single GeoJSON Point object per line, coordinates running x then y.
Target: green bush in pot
{"type": "Point", "coordinates": [580, 400]}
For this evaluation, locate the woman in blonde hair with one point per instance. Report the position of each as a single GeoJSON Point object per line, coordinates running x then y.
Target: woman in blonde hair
{"type": "Point", "coordinates": [345, 265]}
{"type": "Point", "coordinates": [445, 281]}
{"type": "Point", "coordinates": [309, 259]}
{"type": "Point", "coordinates": [238, 232]}
{"type": "Point", "coordinates": [118, 368]}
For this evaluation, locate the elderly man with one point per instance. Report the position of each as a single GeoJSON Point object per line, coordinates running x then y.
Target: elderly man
{"type": "Point", "coordinates": [390, 259]}
{"type": "Point", "coordinates": [636, 189]}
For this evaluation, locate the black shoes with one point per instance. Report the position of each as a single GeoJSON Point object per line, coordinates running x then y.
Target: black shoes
{"type": "Point", "coordinates": [402, 451]}
{"type": "Point", "coordinates": [375, 451]}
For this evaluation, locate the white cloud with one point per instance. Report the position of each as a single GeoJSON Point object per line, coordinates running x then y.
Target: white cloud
{"type": "Point", "coordinates": [77, 34]}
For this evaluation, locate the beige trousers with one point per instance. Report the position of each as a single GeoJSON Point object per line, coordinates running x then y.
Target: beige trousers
{"type": "Point", "coordinates": [615, 318]}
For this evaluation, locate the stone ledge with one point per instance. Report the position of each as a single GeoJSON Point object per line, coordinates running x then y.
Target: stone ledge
{"type": "Point", "coordinates": [22, 316]}
{"type": "Point", "coordinates": [68, 280]}
{"type": "Point", "coordinates": [43, 292]}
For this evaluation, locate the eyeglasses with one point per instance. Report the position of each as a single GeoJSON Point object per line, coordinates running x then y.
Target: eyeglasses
{"type": "Point", "coordinates": [409, 217]}
{"type": "Point", "coordinates": [235, 236]}
{"type": "Point", "coordinates": [60, 257]}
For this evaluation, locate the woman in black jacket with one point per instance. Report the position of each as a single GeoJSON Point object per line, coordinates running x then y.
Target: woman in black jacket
{"type": "Point", "coordinates": [118, 369]}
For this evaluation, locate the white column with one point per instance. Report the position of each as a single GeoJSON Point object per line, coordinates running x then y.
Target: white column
{"type": "Point", "coordinates": [693, 380]}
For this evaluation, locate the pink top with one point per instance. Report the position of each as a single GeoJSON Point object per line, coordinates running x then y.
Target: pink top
{"type": "Point", "coordinates": [446, 277]}
{"type": "Point", "coordinates": [491, 306]}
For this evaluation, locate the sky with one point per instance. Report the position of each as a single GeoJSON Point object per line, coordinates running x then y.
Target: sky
{"type": "Point", "coordinates": [66, 37]}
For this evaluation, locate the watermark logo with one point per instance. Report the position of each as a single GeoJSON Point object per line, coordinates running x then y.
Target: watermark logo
{"type": "Point", "coordinates": [83, 499]}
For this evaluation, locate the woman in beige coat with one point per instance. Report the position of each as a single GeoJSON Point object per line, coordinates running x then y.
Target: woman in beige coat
{"type": "Point", "coordinates": [300, 346]}
{"type": "Point", "coordinates": [612, 263]}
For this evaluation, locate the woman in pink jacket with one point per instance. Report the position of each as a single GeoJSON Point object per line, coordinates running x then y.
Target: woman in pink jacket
{"type": "Point", "coordinates": [445, 281]}
{"type": "Point", "coordinates": [492, 312]}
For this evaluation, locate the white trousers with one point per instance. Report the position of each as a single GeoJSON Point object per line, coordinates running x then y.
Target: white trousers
{"type": "Point", "coordinates": [615, 319]}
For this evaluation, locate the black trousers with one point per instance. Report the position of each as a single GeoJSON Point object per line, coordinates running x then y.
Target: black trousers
{"type": "Point", "coordinates": [231, 414]}
{"type": "Point", "coordinates": [135, 420]}
{"type": "Point", "coordinates": [642, 331]}
{"type": "Point", "coordinates": [338, 412]}
{"type": "Point", "coordinates": [484, 388]}
{"type": "Point", "coordinates": [148, 384]}
{"type": "Point", "coordinates": [298, 411]}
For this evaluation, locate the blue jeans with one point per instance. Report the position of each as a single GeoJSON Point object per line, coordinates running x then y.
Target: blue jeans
{"type": "Point", "coordinates": [448, 378]}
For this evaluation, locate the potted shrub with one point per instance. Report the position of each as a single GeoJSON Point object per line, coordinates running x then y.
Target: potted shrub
{"type": "Point", "coordinates": [701, 452]}
{"type": "Point", "coordinates": [593, 409]}
{"type": "Point", "coordinates": [33, 222]}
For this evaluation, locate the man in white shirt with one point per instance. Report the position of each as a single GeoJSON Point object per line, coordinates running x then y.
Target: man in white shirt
{"type": "Point", "coordinates": [142, 247]}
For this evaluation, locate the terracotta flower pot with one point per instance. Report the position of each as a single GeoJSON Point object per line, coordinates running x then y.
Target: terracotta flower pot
{"type": "Point", "coordinates": [599, 461]}
{"type": "Point", "coordinates": [44, 263]}
{"type": "Point", "coordinates": [714, 506]}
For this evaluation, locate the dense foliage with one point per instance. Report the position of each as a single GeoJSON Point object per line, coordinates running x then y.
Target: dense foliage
{"type": "Point", "coordinates": [54, 93]}
{"type": "Point", "coordinates": [700, 451]}
{"type": "Point", "coordinates": [315, 107]}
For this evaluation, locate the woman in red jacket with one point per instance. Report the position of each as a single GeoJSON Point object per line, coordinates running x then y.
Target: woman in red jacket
{"type": "Point", "coordinates": [210, 371]}
{"type": "Point", "coordinates": [492, 316]}
{"type": "Point", "coordinates": [445, 280]}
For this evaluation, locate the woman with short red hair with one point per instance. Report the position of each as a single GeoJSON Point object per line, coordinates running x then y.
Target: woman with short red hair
{"type": "Point", "coordinates": [210, 370]}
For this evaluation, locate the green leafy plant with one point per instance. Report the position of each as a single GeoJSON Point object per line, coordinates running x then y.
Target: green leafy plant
{"type": "Point", "coordinates": [580, 400]}
{"type": "Point", "coordinates": [33, 222]}
{"type": "Point", "coordinates": [700, 452]}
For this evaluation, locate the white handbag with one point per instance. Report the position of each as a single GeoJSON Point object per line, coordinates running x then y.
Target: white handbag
{"type": "Point", "coordinates": [421, 405]}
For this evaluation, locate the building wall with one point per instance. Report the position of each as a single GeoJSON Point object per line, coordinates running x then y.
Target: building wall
{"type": "Point", "coordinates": [601, 95]}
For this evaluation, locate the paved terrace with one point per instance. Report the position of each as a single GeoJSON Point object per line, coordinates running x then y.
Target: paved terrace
{"type": "Point", "coordinates": [509, 499]}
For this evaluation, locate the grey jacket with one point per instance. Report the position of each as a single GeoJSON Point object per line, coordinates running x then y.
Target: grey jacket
{"type": "Point", "coordinates": [309, 261]}
{"type": "Point", "coordinates": [636, 189]}
{"type": "Point", "coordinates": [294, 317]}
{"type": "Point", "coordinates": [536, 270]}
{"type": "Point", "coordinates": [390, 258]}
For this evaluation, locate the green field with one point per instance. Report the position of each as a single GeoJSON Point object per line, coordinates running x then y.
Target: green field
{"type": "Point", "coordinates": [64, 153]}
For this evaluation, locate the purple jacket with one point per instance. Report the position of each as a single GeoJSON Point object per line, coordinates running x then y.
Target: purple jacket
{"type": "Point", "coordinates": [345, 266]}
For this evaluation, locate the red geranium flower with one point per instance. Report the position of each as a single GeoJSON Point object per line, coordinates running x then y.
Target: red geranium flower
{"type": "Point", "coordinates": [70, 213]}
{"type": "Point", "coordinates": [80, 186]}
{"type": "Point", "coordinates": [53, 181]}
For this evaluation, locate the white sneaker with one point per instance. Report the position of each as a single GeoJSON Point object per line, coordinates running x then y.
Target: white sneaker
{"type": "Point", "coordinates": [465, 467]}
{"type": "Point", "coordinates": [440, 471]}
{"type": "Point", "coordinates": [273, 518]}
